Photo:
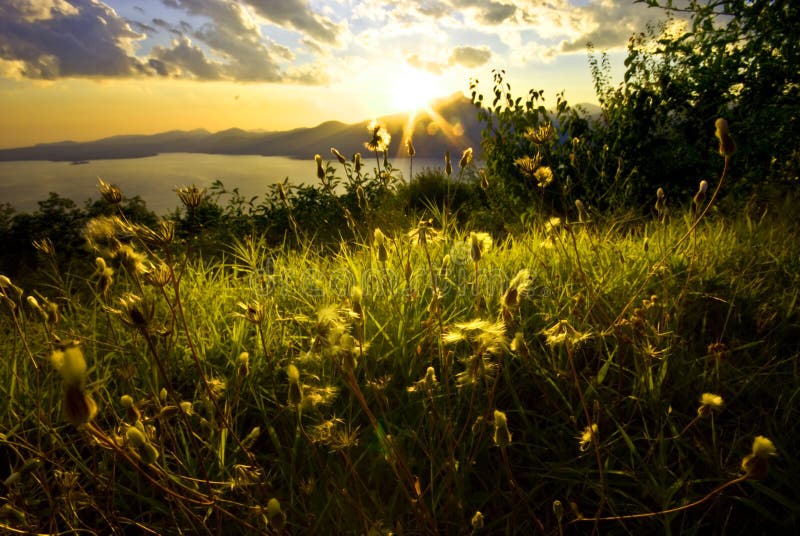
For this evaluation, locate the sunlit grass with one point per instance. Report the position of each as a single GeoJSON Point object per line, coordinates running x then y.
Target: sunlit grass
{"type": "Point", "coordinates": [590, 371]}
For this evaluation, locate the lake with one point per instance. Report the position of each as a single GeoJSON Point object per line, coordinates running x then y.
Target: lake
{"type": "Point", "coordinates": [24, 183]}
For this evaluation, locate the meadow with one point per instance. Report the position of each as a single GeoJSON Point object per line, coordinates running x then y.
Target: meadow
{"type": "Point", "coordinates": [595, 333]}
{"type": "Point", "coordinates": [592, 373]}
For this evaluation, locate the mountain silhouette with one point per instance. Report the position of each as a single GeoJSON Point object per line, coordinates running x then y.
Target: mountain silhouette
{"type": "Point", "coordinates": [451, 124]}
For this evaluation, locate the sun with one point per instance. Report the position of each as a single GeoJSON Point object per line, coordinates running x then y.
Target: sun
{"type": "Point", "coordinates": [411, 89]}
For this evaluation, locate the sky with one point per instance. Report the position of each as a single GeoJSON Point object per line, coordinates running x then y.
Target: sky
{"type": "Point", "coordinates": [85, 69]}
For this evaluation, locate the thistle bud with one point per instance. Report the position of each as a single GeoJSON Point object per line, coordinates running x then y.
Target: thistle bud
{"type": "Point", "coordinates": [502, 436]}
{"type": "Point", "coordinates": [110, 193]}
{"type": "Point", "coordinates": [243, 364]}
{"type": "Point", "coordinates": [339, 156]}
{"type": "Point", "coordinates": [276, 516]}
{"type": "Point", "coordinates": [320, 167]}
{"type": "Point", "coordinates": [726, 145]}
{"type": "Point", "coordinates": [477, 521]}
{"type": "Point", "coordinates": [700, 196]}
{"type": "Point", "coordinates": [466, 158]}
{"type": "Point", "coordinates": [410, 148]}
{"type": "Point", "coordinates": [448, 166]}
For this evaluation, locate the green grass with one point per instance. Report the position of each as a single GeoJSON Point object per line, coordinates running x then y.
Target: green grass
{"type": "Point", "coordinates": [622, 325]}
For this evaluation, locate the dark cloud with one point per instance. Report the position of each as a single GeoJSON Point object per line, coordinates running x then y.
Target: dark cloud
{"type": "Point", "coordinates": [184, 60]}
{"type": "Point", "coordinates": [51, 39]}
{"type": "Point", "coordinates": [57, 39]}
{"type": "Point", "coordinates": [142, 28]}
{"type": "Point", "coordinates": [470, 57]}
{"type": "Point", "coordinates": [297, 15]}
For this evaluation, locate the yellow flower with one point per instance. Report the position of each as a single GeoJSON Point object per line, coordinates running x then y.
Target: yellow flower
{"type": "Point", "coordinates": [585, 439]}
{"type": "Point", "coordinates": [710, 402]}
{"type": "Point", "coordinates": [543, 176]}
{"type": "Point", "coordinates": [756, 463]}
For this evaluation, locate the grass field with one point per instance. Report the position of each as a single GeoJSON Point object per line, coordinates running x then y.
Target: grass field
{"type": "Point", "coordinates": [610, 375]}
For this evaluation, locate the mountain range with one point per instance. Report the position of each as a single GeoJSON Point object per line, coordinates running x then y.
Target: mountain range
{"type": "Point", "coordinates": [450, 124]}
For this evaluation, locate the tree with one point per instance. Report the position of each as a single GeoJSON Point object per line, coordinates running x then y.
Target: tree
{"type": "Point", "coordinates": [735, 59]}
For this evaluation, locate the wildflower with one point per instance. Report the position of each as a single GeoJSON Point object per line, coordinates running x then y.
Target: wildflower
{"type": "Point", "coordinates": [558, 510]}
{"type": "Point", "coordinates": [487, 337]}
{"type": "Point", "coordinates": [105, 275]}
{"type": "Point", "coordinates": [477, 520]}
{"type": "Point", "coordinates": [106, 233]}
{"type": "Point", "coordinates": [243, 364]}
{"type": "Point", "coordinates": [357, 162]}
{"type": "Point", "coordinates": [710, 402]}
{"type": "Point", "coordinates": [158, 276]}
{"type": "Point", "coordinates": [755, 464]}
{"type": "Point", "coordinates": [295, 397]}
{"type": "Point", "coordinates": [518, 342]}
{"type": "Point", "coordinates": [320, 167]}
{"type": "Point", "coordinates": [484, 179]}
{"type": "Point", "coordinates": [190, 196]}
{"type": "Point", "coordinates": [427, 382]}
{"type": "Point", "coordinates": [132, 260]}
{"type": "Point", "coordinates": [162, 236]}
{"type": "Point", "coordinates": [448, 166]}
{"type": "Point", "coordinates": [136, 313]}
{"type": "Point", "coordinates": [543, 176]}
{"type": "Point", "coordinates": [726, 145]}
{"type": "Point", "coordinates": [44, 246]}
{"type": "Point", "coordinates": [552, 225]}
{"type": "Point", "coordinates": [542, 134]}
{"type": "Point", "coordinates": [380, 245]}
{"type": "Point", "coordinates": [34, 303]}
{"type": "Point", "coordinates": [147, 452]}
{"type": "Point", "coordinates": [70, 364]}
{"type": "Point", "coordinates": [480, 243]}
{"type": "Point", "coordinates": [410, 148]}
{"type": "Point", "coordinates": [700, 196]}
{"type": "Point", "coordinates": [339, 156]}
{"type": "Point", "coordinates": [79, 407]}
{"type": "Point", "coordinates": [661, 203]}
{"type": "Point", "coordinates": [379, 142]}
{"type": "Point", "coordinates": [586, 438]}
{"type": "Point", "coordinates": [581, 209]}
{"type": "Point", "coordinates": [518, 285]}
{"type": "Point", "coordinates": [528, 165]}
{"type": "Point", "coordinates": [445, 264]}
{"type": "Point", "coordinates": [253, 312]}
{"type": "Point", "coordinates": [466, 158]}
{"type": "Point", "coordinates": [423, 233]}
{"type": "Point", "coordinates": [110, 193]}
{"type": "Point", "coordinates": [356, 294]}
{"type": "Point", "coordinates": [502, 436]}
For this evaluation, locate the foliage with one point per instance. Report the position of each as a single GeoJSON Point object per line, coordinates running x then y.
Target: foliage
{"type": "Point", "coordinates": [510, 134]}
{"type": "Point", "coordinates": [733, 59]}
{"type": "Point", "coordinates": [60, 221]}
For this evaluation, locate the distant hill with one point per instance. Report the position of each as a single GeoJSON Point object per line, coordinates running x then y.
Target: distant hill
{"type": "Point", "coordinates": [432, 137]}
{"type": "Point", "coordinates": [454, 127]}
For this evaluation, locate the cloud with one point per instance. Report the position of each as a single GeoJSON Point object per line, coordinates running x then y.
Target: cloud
{"type": "Point", "coordinates": [462, 56]}
{"type": "Point", "coordinates": [417, 62]}
{"type": "Point", "coordinates": [470, 57]}
{"type": "Point", "coordinates": [48, 39]}
{"type": "Point", "coordinates": [297, 15]}
{"type": "Point", "coordinates": [184, 60]}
